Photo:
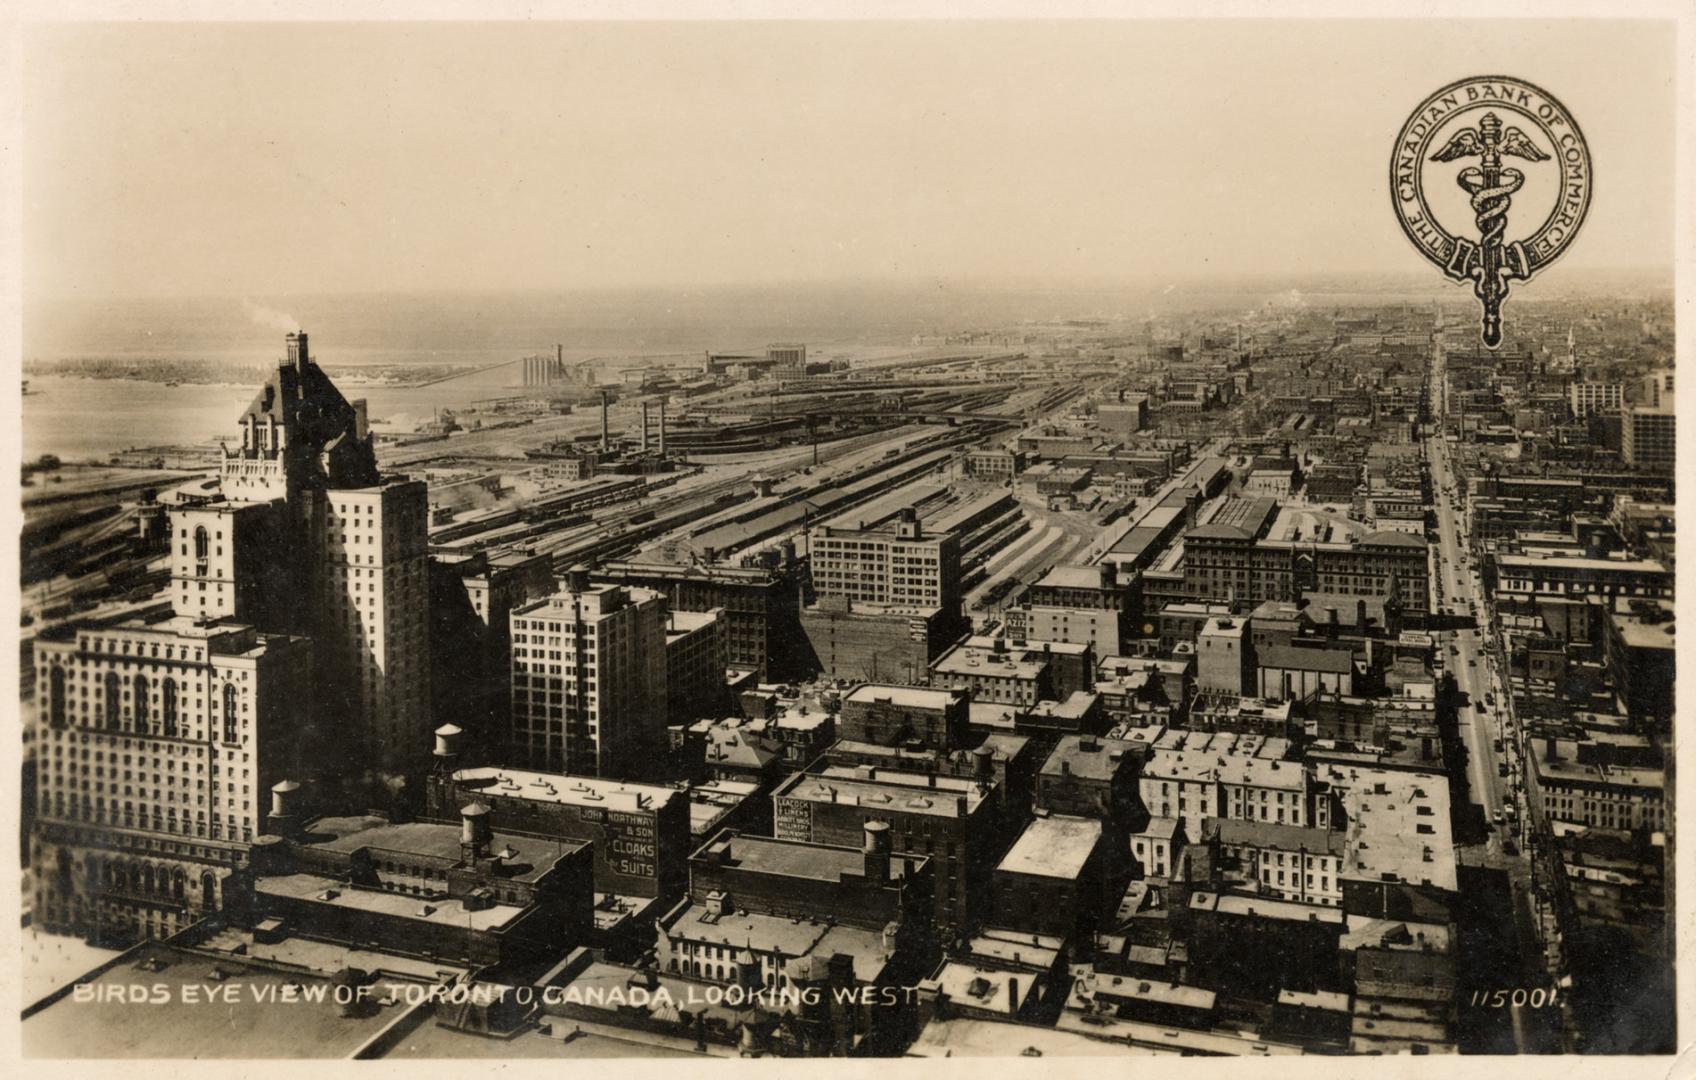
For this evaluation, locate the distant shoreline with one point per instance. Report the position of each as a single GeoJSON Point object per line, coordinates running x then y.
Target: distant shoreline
{"type": "Point", "coordinates": [211, 383]}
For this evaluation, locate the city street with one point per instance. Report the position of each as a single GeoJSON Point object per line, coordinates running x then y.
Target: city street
{"type": "Point", "coordinates": [1496, 884]}
{"type": "Point", "coordinates": [1472, 662]}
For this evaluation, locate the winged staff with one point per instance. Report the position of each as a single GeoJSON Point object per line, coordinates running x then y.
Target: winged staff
{"type": "Point", "coordinates": [1491, 186]}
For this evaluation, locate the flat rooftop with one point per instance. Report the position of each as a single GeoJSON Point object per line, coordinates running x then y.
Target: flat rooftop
{"type": "Point", "coordinates": [185, 1027]}
{"type": "Point", "coordinates": [788, 937]}
{"type": "Point", "coordinates": [441, 912]}
{"type": "Point", "coordinates": [528, 860]}
{"type": "Point", "coordinates": [566, 789]}
{"type": "Point", "coordinates": [990, 989]}
{"type": "Point", "coordinates": [1057, 846]}
{"type": "Point", "coordinates": [1264, 907]}
{"type": "Point", "coordinates": [908, 793]}
{"type": "Point", "coordinates": [433, 1041]}
{"type": "Point", "coordinates": [909, 697]}
{"type": "Point", "coordinates": [1616, 566]}
{"type": "Point", "coordinates": [798, 858]}
{"type": "Point", "coordinates": [964, 1037]}
{"type": "Point", "coordinates": [713, 801]}
{"type": "Point", "coordinates": [1131, 988]}
{"type": "Point", "coordinates": [680, 623]}
{"type": "Point", "coordinates": [1398, 825]}
{"type": "Point", "coordinates": [1089, 756]}
{"type": "Point", "coordinates": [1037, 950]}
{"type": "Point", "coordinates": [977, 661]}
{"type": "Point", "coordinates": [1222, 766]}
{"type": "Point", "coordinates": [1072, 577]}
{"type": "Point", "coordinates": [1269, 834]}
{"type": "Point", "coordinates": [1568, 770]}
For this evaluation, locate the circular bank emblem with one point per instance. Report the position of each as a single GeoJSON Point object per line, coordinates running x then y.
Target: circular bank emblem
{"type": "Point", "coordinates": [1491, 180]}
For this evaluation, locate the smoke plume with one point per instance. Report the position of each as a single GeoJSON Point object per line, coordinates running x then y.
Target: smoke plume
{"type": "Point", "coordinates": [270, 317]}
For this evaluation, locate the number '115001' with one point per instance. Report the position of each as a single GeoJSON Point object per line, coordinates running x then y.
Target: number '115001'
{"type": "Point", "coordinates": [1501, 999]}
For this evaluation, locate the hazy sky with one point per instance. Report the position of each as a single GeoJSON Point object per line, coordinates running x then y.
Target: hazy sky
{"type": "Point", "coordinates": [269, 159]}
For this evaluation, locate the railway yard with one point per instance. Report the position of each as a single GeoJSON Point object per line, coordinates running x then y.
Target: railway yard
{"type": "Point", "coordinates": [749, 468]}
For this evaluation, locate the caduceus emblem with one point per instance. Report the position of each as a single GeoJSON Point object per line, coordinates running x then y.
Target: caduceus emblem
{"type": "Point", "coordinates": [1539, 129]}
{"type": "Point", "coordinates": [1491, 185]}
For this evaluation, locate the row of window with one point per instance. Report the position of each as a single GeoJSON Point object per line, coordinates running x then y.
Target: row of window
{"type": "Point", "coordinates": [138, 719]}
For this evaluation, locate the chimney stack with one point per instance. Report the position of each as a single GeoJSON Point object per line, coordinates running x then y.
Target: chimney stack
{"type": "Point", "coordinates": [644, 427]}
{"type": "Point", "coordinates": [662, 427]}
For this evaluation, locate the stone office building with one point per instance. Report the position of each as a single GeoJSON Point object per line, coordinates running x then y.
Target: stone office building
{"type": "Point", "coordinates": [158, 740]}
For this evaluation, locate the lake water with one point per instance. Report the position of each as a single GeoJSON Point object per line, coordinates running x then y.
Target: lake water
{"type": "Point", "coordinates": [90, 418]}
{"type": "Point", "coordinates": [83, 418]}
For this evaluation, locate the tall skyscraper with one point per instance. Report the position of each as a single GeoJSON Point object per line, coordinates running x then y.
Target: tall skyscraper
{"type": "Point", "coordinates": [342, 560]}
{"type": "Point", "coordinates": [371, 621]}
{"type": "Point", "coordinates": [295, 649]}
{"type": "Point", "coordinates": [589, 680]}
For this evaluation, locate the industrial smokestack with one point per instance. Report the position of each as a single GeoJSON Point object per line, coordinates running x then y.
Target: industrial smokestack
{"type": "Point", "coordinates": [606, 432]}
{"type": "Point", "coordinates": [644, 427]}
{"type": "Point", "coordinates": [662, 427]}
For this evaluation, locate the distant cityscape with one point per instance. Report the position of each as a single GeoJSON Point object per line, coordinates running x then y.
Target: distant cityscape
{"type": "Point", "coordinates": [1295, 679]}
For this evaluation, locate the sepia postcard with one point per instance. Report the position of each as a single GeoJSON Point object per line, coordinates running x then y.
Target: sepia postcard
{"type": "Point", "coordinates": [559, 534]}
